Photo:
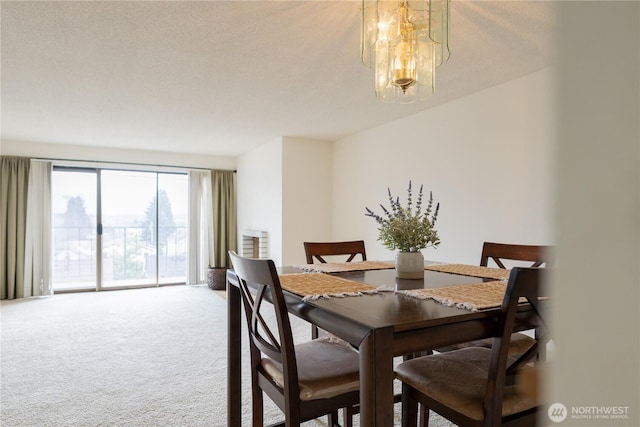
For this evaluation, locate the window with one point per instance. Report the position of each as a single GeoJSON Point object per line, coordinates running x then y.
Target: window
{"type": "Point", "coordinates": [118, 228]}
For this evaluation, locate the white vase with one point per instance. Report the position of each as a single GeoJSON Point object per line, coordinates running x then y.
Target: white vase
{"type": "Point", "coordinates": [409, 265]}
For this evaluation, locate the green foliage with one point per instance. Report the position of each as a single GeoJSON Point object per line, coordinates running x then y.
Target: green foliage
{"type": "Point", "coordinates": [407, 229]}
{"type": "Point", "coordinates": [128, 258]}
{"type": "Point", "coordinates": [164, 219]}
{"type": "Point", "coordinates": [76, 217]}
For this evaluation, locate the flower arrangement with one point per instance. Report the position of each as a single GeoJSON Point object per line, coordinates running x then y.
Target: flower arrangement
{"type": "Point", "coordinates": [407, 229]}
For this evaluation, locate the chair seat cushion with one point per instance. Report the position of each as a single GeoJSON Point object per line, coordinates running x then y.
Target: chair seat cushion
{"type": "Point", "coordinates": [326, 368]}
{"type": "Point", "coordinates": [458, 379]}
{"type": "Point", "coordinates": [518, 344]}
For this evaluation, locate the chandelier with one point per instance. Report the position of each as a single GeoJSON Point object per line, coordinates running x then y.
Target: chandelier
{"type": "Point", "coordinates": [403, 42]}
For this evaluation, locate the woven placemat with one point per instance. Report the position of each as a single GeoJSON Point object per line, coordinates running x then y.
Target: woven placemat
{"type": "Point", "coordinates": [471, 270]}
{"type": "Point", "coordinates": [318, 285]}
{"type": "Point", "coordinates": [342, 267]}
{"type": "Point", "coordinates": [473, 297]}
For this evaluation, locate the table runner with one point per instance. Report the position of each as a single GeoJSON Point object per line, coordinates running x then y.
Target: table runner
{"type": "Point", "coordinates": [471, 270]}
{"type": "Point", "coordinates": [342, 267]}
{"type": "Point", "coordinates": [472, 297]}
{"type": "Point", "coordinates": [312, 286]}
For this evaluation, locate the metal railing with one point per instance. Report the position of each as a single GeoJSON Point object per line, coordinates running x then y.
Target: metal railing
{"type": "Point", "coordinates": [128, 254]}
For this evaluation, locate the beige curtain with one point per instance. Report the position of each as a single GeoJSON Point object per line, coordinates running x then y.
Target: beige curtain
{"type": "Point", "coordinates": [37, 262]}
{"type": "Point", "coordinates": [14, 179]}
{"type": "Point", "coordinates": [200, 252]}
{"type": "Point", "coordinates": [223, 197]}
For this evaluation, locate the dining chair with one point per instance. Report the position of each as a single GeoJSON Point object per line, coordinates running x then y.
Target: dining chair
{"type": "Point", "coordinates": [318, 250]}
{"type": "Point", "coordinates": [537, 255]}
{"type": "Point", "coordinates": [315, 251]}
{"type": "Point", "coordinates": [305, 381]}
{"type": "Point", "coordinates": [475, 386]}
{"type": "Point", "coordinates": [499, 254]}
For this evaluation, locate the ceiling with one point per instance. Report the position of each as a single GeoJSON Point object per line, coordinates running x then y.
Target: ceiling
{"type": "Point", "coordinates": [222, 77]}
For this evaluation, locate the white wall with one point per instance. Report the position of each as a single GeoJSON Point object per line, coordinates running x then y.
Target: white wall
{"type": "Point", "coordinates": [259, 188]}
{"type": "Point", "coordinates": [488, 158]}
{"type": "Point", "coordinates": [597, 288]}
{"type": "Point", "coordinates": [307, 196]}
{"type": "Point", "coordinates": [284, 188]}
{"type": "Point", "coordinates": [78, 152]}
{"type": "Point", "coordinates": [493, 175]}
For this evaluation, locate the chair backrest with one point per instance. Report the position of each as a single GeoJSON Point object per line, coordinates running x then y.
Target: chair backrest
{"type": "Point", "coordinates": [524, 283]}
{"type": "Point", "coordinates": [319, 249]}
{"type": "Point", "coordinates": [258, 280]}
{"type": "Point", "coordinates": [538, 255]}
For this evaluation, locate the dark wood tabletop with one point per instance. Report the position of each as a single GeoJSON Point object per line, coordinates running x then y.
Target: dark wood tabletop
{"type": "Point", "coordinates": [381, 326]}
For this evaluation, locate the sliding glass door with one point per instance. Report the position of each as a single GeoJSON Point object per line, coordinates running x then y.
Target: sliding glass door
{"type": "Point", "coordinates": [128, 230]}
{"type": "Point", "coordinates": [74, 195]}
{"type": "Point", "coordinates": [173, 202]}
{"type": "Point", "coordinates": [135, 228]}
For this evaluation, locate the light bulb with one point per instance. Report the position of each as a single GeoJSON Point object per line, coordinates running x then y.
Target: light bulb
{"type": "Point", "coordinates": [404, 64]}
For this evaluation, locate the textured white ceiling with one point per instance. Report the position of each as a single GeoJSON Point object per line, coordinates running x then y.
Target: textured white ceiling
{"type": "Point", "coordinates": [222, 77]}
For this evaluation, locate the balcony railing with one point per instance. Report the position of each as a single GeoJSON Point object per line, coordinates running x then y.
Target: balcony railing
{"type": "Point", "coordinates": [129, 254]}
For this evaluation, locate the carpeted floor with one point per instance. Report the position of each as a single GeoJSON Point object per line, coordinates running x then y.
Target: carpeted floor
{"type": "Point", "coordinates": [148, 357]}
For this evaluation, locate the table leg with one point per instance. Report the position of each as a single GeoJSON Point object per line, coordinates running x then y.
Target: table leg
{"type": "Point", "coordinates": [376, 378]}
{"type": "Point", "coordinates": [234, 366]}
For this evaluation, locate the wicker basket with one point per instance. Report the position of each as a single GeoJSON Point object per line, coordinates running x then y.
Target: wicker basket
{"type": "Point", "coordinates": [217, 278]}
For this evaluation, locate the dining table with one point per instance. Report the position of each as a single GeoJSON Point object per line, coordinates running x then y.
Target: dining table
{"type": "Point", "coordinates": [382, 316]}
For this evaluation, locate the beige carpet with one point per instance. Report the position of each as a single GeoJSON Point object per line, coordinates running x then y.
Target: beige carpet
{"type": "Point", "coordinates": [149, 357]}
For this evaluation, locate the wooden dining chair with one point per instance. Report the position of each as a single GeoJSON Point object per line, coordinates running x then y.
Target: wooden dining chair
{"type": "Point", "coordinates": [475, 386]}
{"type": "Point", "coordinates": [499, 254]}
{"type": "Point", "coordinates": [533, 256]}
{"type": "Point", "coordinates": [315, 251]}
{"type": "Point", "coordinates": [318, 250]}
{"type": "Point", "coordinates": [305, 381]}
{"type": "Point", "coordinates": [537, 255]}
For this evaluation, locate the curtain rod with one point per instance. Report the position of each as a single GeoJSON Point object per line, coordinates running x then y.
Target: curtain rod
{"type": "Point", "coordinates": [124, 163]}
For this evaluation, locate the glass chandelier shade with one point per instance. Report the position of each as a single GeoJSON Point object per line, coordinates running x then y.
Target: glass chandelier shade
{"type": "Point", "coordinates": [403, 41]}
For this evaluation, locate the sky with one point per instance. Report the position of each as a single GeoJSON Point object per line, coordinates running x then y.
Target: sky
{"type": "Point", "coordinates": [123, 192]}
